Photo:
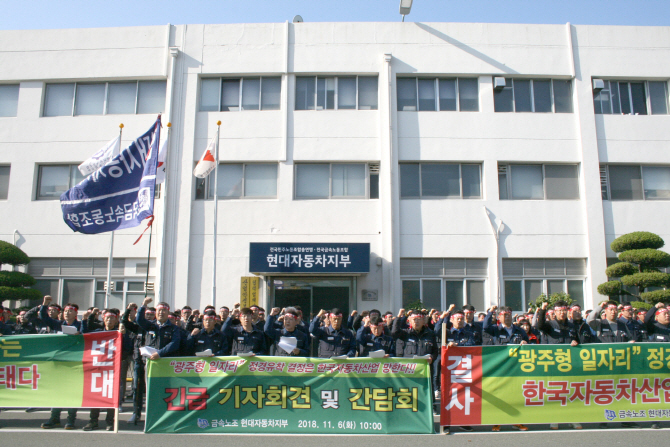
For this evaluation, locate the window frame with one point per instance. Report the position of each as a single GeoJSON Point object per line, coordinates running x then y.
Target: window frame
{"type": "Point", "coordinates": [9, 176]}
{"type": "Point", "coordinates": [443, 288]}
{"type": "Point", "coordinates": [597, 106]}
{"type": "Point", "coordinates": [366, 196]}
{"type": "Point", "coordinates": [436, 91]}
{"type": "Point", "coordinates": [509, 181]}
{"type": "Point", "coordinates": [606, 185]}
{"type": "Point", "coordinates": [18, 94]}
{"type": "Point", "coordinates": [38, 183]}
{"type": "Point", "coordinates": [336, 92]}
{"type": "Point", "coordinates": [460, 181]}
{"type": "Point", "coordinates": [545, 287]}
{"type": "Point", "coordinates": [105, 105]}
{"type": "Point", "coordinates": [532, 95]}
{"type": "Point", "coordinates": [209, 180]}
{"type": "Point", "coordinates": [240, 107]}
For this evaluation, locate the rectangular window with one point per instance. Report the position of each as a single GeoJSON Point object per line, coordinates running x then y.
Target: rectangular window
{"type": "Point", "coordinates": [634, 182]}
{"type": "Point", "coordinates": [632, 98]}
{"type": "Point", "coordinates": [432, 94]}
{"type": "Point", "coordinates": [231, 95]}
{"type": "Point", "coordinates": [105, 98]}
{"type": "Point", "coordinates": [534, 95]}
{"type": "Point", "coordinates": [54, 180]}
{"type": "Point", "coordinates": [336, 181]}
{"type": "Point", "coordinates": [526, 279]}
{"type": "Point", "coordinates": [440, 180]}
{"type": "Point", "coordinates": [538, 182]}
{"type": "Point", "coordinates": [240, 180]}
{"type": "Point", "coordinates": [440, 282]}
{"type": "Point", "coordinates": [336, 93]}
{"type": "Point", "coordinates": [9, 100]}
{"type": "Point", "coordinates": [4, 182]}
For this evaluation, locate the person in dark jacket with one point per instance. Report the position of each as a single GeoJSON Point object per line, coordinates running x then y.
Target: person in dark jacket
{"type": "Point", "coordinates": [503, 331]}
{"type": "Point", "coordinates": [110, 321]}
{"type": "Point", "coordinates": [417, 340]}
{"type": "Point", "coordinates": [334, 340]}
{"type": "Point", "coordinates": [138, 335]}
{"type": "Point", "coordinates": [290, 328]}
{"type": "Point", "coordinates": [374, 339]}
{"type": "Point", "coordinates": [579, 326]}
{"type": "Point", "coordinates": [610, 329]}
{"type": "Point", "coordinates": [245, 338]}
{"type": "Point", "coordinates": [200, 340]}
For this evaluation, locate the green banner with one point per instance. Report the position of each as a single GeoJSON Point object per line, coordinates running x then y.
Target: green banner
{"type": "Point", "coordinates": [533, 384]}
{"type": "Point", "coordinates": [67, 371]}
{"type": "Point", "coordinates": [288, 395]}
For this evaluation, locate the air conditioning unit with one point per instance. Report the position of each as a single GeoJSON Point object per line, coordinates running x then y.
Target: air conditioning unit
{"type": "Point", "coordinates": [499, 83]}
{"type": "Point", "coordinates": [112, 283]}
{"type": "Point", "coordinates": [148, 287]}
{"type": "Point", "coordinates": [598, 84]}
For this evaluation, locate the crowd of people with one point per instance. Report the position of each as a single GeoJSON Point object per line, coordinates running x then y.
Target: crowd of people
{"type": "Point", "coordinates": [330, 334]}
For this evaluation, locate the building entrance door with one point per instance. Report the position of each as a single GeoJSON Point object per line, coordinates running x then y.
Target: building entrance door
{"type": "Point", "coordinates": [313, 294]}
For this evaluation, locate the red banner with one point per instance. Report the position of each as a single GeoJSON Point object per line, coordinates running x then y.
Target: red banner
{"type": "Point", "coordinates": [102, 369]}
{"type": "Point", "coordinates": [461, 402]}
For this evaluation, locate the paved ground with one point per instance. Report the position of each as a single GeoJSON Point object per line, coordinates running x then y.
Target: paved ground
{"type": "Point", "coordinates": [20, 428]}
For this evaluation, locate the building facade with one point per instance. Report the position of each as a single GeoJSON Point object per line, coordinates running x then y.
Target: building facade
{"type": "Point", "coordinates": [362, 165]}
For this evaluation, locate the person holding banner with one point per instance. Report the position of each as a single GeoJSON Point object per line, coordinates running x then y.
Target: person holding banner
{"type": "Point", "coordinates": [371, 338]}
{"type": "Point", "coordinates": [111, 323]}
{"type": "Point", "coordinates": [283, 337]}
{"type": "Point", "coordinates": [200, 341]}
{"type": "Point", "coordinates": [334, 340]}
{"type": "Point", "coordinates": [245, 338]}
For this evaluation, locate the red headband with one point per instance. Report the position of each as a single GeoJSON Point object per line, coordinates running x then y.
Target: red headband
{"type": "Point", "coordinates": [163, 306]}
{"type": "Point", "coordinates": [335, 315]}
{"type": "Point", "coordinates": [150, 312]}
{"type": "Point", "coordinates": [288, 314]}
{"type": "Point", "coordinates": [110, 314]}
{"type": "Point", "coordinates": [71, 308]}
{"type": "Point", "coordinates": [628, 308]}
{"type": "Point", "coordinates": [560, 308]}
{"type": "Point", "coordinates": [612, 306]}
{"type": "Point", "coordinates": [662, 310]}
{"type": "Point", "coordinates": [210, 317]}
{"type": "Point", "coordinates": [503, 312]}
{"type": "Point", "coordinates": [576, 306]}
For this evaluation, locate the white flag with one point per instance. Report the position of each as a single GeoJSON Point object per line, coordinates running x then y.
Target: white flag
{"type": "Point", "coordinates": [101, 158]}
{"type": "Point", "coordinates": [207, 162]}
{"type": "Point", "coordinates": [162, 158]}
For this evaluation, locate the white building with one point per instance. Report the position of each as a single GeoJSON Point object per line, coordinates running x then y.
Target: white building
{"type": "Point", "coordinates": [396, 135]}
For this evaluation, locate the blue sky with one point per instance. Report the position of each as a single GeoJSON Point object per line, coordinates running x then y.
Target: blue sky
{"type": "Point", "coordinates": [43, 14]}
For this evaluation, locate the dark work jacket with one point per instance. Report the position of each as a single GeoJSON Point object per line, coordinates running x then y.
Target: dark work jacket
{"type": "Point", "coordinates": [462, 337]}
{"type": "Point", "coordinates": [33, 316]}
{"type": "Point", "coordinates": [500, 335]}
{"type": "Point", "coordinates": [476, 328]}
{"type": "Point", "coordinates": [409, 342]}
{"type": "Point", "coordinates": [24, 328]}
{"type": "Point", "coordinates": [333, 342]}
{"type": "Point", "coordinates": [583, 331]}
{"type": "Point", "coordinates": [136, 333]}
{"type": "Point", "coordinates": [56, 325]}
{"type": "Point", "coordinates": [605, 334]}
{"type": "Point", "coordinates": [164, 337]}
{"type": "Point", "coordinates": [238, 340]}
{"type": "Point", "coordinates": [555, 332]}
{"type": "Point", "coordinates": [368, 343]}
{"type": "Point", "coordinates": [5, 329]}
{"type": "Point", "coordinates": [214, 340]}
{"type": "Point", "coordinates": [275, 333]}
{"type": "Point", "coordinates": [657, 332]}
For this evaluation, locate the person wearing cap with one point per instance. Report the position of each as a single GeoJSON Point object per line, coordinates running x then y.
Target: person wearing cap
{"type": "Point", "coordinates": [290, 329]}
{"type": "Point", "coordinates": [334, 340]}
{"type": "Point", "coordinates": [245, 338]}
{"type": "Point", "coordinates": [370, 337]}
{"type": "Point", "coordinates": [110, 319]}
{"type": "Point", "coordinates": [200, 340]}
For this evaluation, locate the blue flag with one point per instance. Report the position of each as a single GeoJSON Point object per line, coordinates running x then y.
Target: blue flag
{"type": "Point", "coordinates": [118, 195]}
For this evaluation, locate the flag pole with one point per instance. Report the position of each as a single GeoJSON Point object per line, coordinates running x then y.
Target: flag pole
{"type": "Point", "coordinates": [146, 281]}
{"type": "Point", "coordinates": [111, 249]}
{"type": "Point", "coordinates": [216, 201]}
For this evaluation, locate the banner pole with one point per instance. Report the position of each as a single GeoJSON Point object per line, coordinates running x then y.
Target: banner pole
{"type": "Point", "coordinates": [216, 201]}
{"type": "Point", "coordinates": [111, 248]}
